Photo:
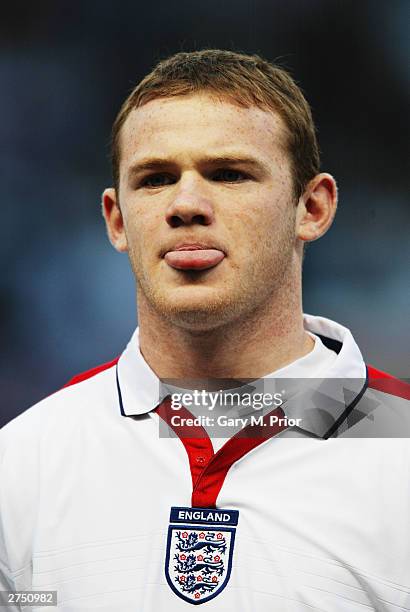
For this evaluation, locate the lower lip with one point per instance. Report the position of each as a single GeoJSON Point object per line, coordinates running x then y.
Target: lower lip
{"type": "Point", "coordinates": [198, 259]}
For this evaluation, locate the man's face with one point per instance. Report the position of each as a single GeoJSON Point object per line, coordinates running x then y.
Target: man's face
{"type": "Point", "coordinates": [206, 197]}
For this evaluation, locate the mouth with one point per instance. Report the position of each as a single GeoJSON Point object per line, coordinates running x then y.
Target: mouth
{"type": "Point", "coordinates": [193, 257]}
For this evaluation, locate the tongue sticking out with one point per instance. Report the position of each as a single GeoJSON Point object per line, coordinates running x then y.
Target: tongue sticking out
{"type": "Point", "coordinates": [199, 259]}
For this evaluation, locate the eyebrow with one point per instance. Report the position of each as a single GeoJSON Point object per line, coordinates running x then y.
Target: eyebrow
{"type": "Point", "coordinates": [235, 159]}
{"type": "Point", "coordinates": [158, 163]}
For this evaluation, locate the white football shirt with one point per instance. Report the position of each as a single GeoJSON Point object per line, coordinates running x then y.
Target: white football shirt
{"type": "Point", "coordinates": [87, 486]}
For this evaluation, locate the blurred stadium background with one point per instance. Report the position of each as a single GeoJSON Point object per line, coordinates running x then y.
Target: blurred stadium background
{"type": "Point", "coordinates": [67, 299]}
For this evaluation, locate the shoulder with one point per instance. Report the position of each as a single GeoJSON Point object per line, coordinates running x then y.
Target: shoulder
{"type": "Point", "coordinates": [386, 383]}
{"type": "Point", "coordinates": [84, 397]}
{"type": "Point", "coordinates": [109, 365]}
{"type": "Point", "coordinates": [382, 410]}
{"type": "Point", "coordinates": [45, 441]}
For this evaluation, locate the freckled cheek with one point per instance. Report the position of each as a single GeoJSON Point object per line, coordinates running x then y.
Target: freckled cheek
{"type": "Point", "coordinates": [142, 233]}
{"type": "Point", "coordinates": [255, 217]}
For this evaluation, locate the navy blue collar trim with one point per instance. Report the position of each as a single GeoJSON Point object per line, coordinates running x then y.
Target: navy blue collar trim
{"type": "Point", "coordinates": [119, 392]}
{"type": "Point", "coordinates": [331, 343]}
{"type": "Point", "coordinates": [348, 409]}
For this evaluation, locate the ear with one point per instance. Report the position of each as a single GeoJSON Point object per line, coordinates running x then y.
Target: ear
{"type": "Point", "coordinates": [316, 208]}
{"type": "Point", "coordinates": [114, 221]}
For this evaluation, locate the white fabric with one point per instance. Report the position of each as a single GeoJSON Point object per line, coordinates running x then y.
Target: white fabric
{"type": "Point", "coordinates": [85, 495]}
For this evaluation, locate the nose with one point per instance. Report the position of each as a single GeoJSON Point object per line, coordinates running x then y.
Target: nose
{"type": "Point", "coordinates": [190, 206]}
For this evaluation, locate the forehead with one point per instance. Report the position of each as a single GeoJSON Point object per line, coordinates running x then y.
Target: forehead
{"type": "Point", "coordinates": [191, 124]}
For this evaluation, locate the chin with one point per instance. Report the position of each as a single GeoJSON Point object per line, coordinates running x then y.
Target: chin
{"type": "Point", "coordinates": [199, 309]}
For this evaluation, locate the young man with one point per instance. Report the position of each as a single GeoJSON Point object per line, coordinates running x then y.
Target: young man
{"type": "Point", "coordinates": [216, 190]}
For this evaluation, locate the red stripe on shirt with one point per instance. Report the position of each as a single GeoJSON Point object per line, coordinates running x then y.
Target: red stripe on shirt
{"type": "Point", "coordinates": [90, 373]}
{"type": "Point", "coordinates": [209, 469]}
{"type": "Point", "coordinates": [381, 381]}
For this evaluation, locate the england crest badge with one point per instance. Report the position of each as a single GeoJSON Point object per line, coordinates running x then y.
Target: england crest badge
{"type": "Point", "coordinates": [199, 552]}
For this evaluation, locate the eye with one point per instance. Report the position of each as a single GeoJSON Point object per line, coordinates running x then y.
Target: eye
{"type": "Point", "coordinates": [157, 180]}
{"type": "Point", "coordinates": [228, 175]}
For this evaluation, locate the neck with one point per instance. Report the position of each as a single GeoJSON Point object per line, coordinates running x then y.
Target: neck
{"type": "Point", "coordinates": [270, 338]}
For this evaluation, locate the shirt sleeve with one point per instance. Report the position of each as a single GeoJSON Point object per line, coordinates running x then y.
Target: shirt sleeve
{"type": "Point", "coordinates": [15, 520]}
{"type": "Point", "coordinates": [6, 580]}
